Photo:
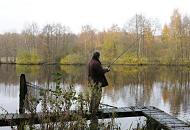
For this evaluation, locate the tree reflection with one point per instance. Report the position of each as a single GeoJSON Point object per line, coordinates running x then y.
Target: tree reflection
{"type": "Point", "coordinates": [134, 83]}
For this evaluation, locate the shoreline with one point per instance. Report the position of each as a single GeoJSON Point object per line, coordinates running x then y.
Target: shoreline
{"type": "Point", "coordinates": [129, 64]}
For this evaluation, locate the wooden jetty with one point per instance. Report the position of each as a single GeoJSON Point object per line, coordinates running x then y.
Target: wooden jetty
{"type": "Point", "coordinates": [153, 114]}
{"type": "Point", "coordinates": [162, 119]}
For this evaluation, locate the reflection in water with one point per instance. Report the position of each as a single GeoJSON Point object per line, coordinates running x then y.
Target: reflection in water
{"type": "Point", "coordinates": [164, 87]}
{"type": "Point", "coordinates": [8, 90]}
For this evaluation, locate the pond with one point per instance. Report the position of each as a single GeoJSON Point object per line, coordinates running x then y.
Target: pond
{"type": "Point", "coordinates": [167, 88]}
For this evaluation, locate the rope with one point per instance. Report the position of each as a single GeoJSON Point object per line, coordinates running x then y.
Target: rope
{"type": "Point", "coordinates": [43, 89]}
{"type": "Point", "coordinates": [37, 87]}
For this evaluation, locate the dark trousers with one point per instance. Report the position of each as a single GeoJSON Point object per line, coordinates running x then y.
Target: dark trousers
{"type": "Point", "coordinates": [96, 94]}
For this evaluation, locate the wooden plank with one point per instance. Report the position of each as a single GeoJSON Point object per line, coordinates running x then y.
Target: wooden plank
{"type": "Point", "coordinates": [110, 110]}
{"type": "Point", "coordinates": [120, 110]}
{"type": "Point", "coordinates": [154, 113]}
{"type": "Point", "coordinates": [127, 109]}
{"type": "Point", "coordinates": [104, 110]}
{"type": "Point", "coordinates": [162, 118]}
{"type": "Point", "coordinates": [157, 116]}
{"type": "Point", "coordinates": [170, 121]}
{"type": "Point", "coordinates": [180, 128]}
{"type": "Point", "coordinates": [175, 125]}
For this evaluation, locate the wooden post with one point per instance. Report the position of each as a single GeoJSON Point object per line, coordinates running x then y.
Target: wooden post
{"type": "Point", "coordinates": [23, 92]}
{"type": "Point", "coordinates": [22, 95]}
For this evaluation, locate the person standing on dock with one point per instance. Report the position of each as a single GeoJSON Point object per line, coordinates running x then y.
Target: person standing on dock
{"type": "Point", "coordinates": [97, 80]}
{"type": "Point", "coordinates": [96, 73]}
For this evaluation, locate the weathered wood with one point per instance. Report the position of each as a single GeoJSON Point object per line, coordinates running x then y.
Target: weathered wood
{"type": "Point", "coordinates": [102, 113]}
{"type": "Point", "coordinates": [23, 92]}
{"type": "Point", "coordinates": [180, 128]}
{"type": "Point", "coordinates": [163, 119]}
{"type": "Point", "coordinates": [22, 96]}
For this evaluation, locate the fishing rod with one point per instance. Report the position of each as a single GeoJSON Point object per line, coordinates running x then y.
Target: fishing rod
{"type": "Point", "coordinates": [123, 52]}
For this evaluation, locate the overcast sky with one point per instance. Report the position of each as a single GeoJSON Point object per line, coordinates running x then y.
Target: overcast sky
{"type": "Point", "coordinates": [15, 14]}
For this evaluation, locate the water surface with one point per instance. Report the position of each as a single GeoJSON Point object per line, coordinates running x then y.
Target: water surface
{"type": "Point", "coordinates": [167, 88]}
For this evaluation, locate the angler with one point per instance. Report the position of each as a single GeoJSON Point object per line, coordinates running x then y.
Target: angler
{"type": "Point", "coordinates": [96, 73]}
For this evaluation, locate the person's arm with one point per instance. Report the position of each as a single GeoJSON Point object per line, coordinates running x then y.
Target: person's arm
{"type": "Point", "coordinates": [106, 69]}
{"type": "Point", "coordinates": [100, 70]}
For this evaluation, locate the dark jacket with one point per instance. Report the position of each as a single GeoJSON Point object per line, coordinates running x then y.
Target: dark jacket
{"type": "Point", "coordinates": [96, 73]}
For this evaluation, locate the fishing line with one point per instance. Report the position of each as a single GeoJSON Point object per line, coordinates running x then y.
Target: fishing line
{"type": "Point", "coordinates": [123, 52]}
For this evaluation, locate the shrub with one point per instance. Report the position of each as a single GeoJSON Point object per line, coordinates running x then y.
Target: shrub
{"type": "Point", "coordinates": [28, 58]}
{"type": "Point", "coordinates": [72, 59]}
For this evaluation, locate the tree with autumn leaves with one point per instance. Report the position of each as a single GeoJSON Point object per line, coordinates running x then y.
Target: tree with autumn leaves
{"type": "Point", "coordinates": [177, 34]}
{"type": "Point", "coordinates": [142, 37]}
